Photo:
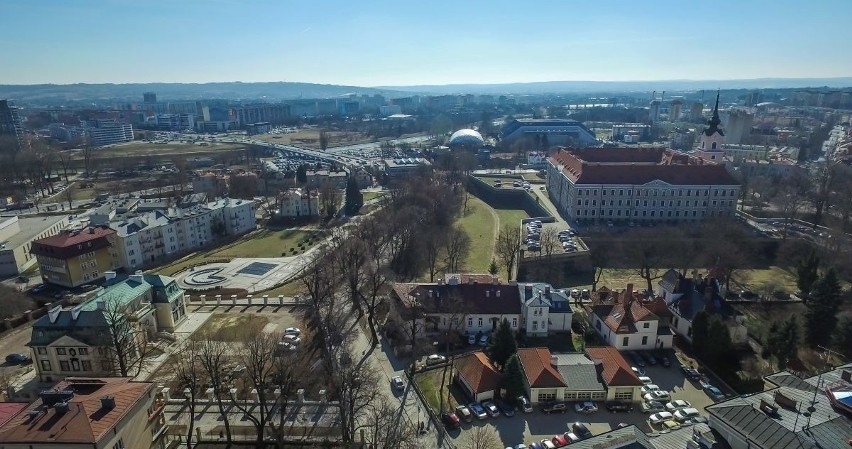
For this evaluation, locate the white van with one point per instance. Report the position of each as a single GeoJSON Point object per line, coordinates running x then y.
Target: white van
{"type": "Point", "coordinates": [686, 413]}
{"type": "Point", "coordinates": [645, 380]}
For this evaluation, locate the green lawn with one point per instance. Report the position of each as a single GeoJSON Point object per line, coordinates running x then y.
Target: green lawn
{"type": "Point", "coordinates": [752, 279]}
{"type": "Point", "coordinates": [430, 385]}
{"type": "Point", "coordinates": [372, 195]}
{"type": "Point", "coordinates": [479, 223]}
{"type": "Point", "coordinates": [511, 217]}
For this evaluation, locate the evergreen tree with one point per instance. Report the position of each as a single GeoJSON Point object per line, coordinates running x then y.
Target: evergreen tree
{"type": "Point", "coordinates": [807, 275]}
{"type": "Point", "coordinates": [700, 333]}
{"type": "Point", "coordinates": [719, 348]}
{"type": "Point", "coordinates": [503, 345]}
{"type": "Point", "coordinates": [821, 316]}
{"type": "Point", "coordinates": [493, 269]}
{"type": "Point", "coordinates": [783, 341]}
{"type": "Point", "coordinates": [843, 337]}
{"type": "Point", "coordinates": [354, 198]}
{"type": "Point", "coordinates": [513, 379]}
{"type": "Point", "coordinates": [302, 174]}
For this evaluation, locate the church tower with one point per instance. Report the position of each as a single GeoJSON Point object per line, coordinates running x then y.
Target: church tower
{"type": "Point", "coordinates": [712, 141]}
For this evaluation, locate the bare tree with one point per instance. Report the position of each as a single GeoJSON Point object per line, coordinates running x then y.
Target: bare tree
{"type": "Point", "coordinates": [375, 281]}
{"type": "Point", "coordinates": [432, 244]}
{"type": "Point", "coordinates": [351, 256]}
{"type": "Point", "coordinates": [189, 376]}
{"type": "Point", "coordinates": [456, 248]}
{"type": "Point", "coordinates": [330, 199]}
{"type": "Point", "coordinates": [68, 194]}
{"type": "Point", "coordinates": [481, 437]}
{"type": "Point", "coordinates": [385, 428]}
{"type": "Point", "coordinates": [64, 159]}
{"type": "Point", "coordinates": [508, 247]}
{"type": "Point", "coordinates": [549, 241]}
{"type": "Point", "coordinates": [128, 345]}
{"type": "Point", "coordinates": [213, 355]}
{"type": "Point", "coordinates": [357, 386]}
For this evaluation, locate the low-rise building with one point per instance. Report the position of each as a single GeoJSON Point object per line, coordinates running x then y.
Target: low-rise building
{"type": "Point", "coordinates": [401, 167]}
{"type": "Point", "coordinates": [624, 321]}
{"type": "Point", "coordinates": [258, 128]}
{"type": "Point", "coordinates": [318, 178]}
{"type": "Point", "coordinates": [622, 384]}
{"type": "Point", "coordinates": [477, 375]}
{"type": "Point", "coordinates": [107, 334]}
{"type": "Point", "coordinates": [685, 297]}
{"type": "Point", "coordinates": [210, 183]}
{"type": "Point", "coordinates": [73, 258]}
{"type": "Point", "coordinates": [296, 203]}
{"type": "Point", "coordinates": [16, 238]}
{"type": "Point", "coordinates": [83, 412]}
{"type": "Point", "coordinates": [556, 132]}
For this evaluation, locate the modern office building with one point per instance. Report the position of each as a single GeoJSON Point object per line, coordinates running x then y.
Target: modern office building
{"type": "Point", "coordinates": [639, 184]}
{"type": "Point", "coordinates": [174, 122]}
{"type": "Point", "coordinates": [10, 121]}
{"type": "Point", "coordinates": [558, 132]}
{"type": "Point", "coordinates": [272, 113]}
{"type": "Point", "coordinates": [258, 128]}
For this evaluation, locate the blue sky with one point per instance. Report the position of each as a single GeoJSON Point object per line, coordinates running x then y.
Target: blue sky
{"type": "Point", "coordinates": [399, 42]}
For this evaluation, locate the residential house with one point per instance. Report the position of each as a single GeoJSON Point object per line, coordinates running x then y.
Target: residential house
{"type": "Point", "coordinates": [99, 413]}
{"type": "Point", "coordinates": [542, 379]}
{"type": "Point", "coordinates": [477, 375]}
{"type": "Point", "coordinates": [624, 321]}
{"type": "Point", "coordinates": [621, 382]}
{"type": "Point", "coordinates": [796, 413]}
{"type": "Point", "coordinates": [316, 178]}
{"type": "Point", "coordinates": [685, 297]}
{"type": "Point", "coordinates": [545, 309]}
{"type": "Point", "coordinates": [79, 340]}
{"type": "Point", "coordinates": [74, 258]}
{"type": "Point", "coordinates": [298, 203]}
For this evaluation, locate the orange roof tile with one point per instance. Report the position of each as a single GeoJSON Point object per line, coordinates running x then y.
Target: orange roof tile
{"type": "Point", "coordinates": [478, 372]}
{"type": "Point", "coordinates": [616, 371]}
{"type": "Point", "coordinates": [537, 366]}
{"type": "Point", "coordinates": [86, 421]}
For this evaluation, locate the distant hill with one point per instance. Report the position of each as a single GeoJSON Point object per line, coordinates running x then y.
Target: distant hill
{"type": "Point", "coordinates": [71, 93]}
{"type": "Point", "coordinates": [624, 86]}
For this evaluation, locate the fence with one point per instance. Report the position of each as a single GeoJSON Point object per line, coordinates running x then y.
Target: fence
{"type": "Point", "coordinates": [248, 300]}
{"type": "Point", "coordinates": [29, 315]}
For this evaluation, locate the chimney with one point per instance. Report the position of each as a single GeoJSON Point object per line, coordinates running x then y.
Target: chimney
{"type": "Point", "coordinates": [138, 277]}
{"type": "Point", "coordinates": [107, 402]}
{"type": "Point", "coordinates": [629, 290]}
{"type": "Point", "coordinates": [53, 314]}
{"type": "Point", "coordinates": [109, 275]}
{"type": "Point", "coordinates": [495, 280]}
{"type": "Point", "coordinates": [497, 293]}
{"type": "Point", "coordinates": [61, 408]}
{"type": "Point", "coordinates": [547, 289]}
{"type": "Point", "coordinates": [554, 360]}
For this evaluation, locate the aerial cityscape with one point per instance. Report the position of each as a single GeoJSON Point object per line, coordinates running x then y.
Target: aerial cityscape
{"type": "Point", "coordinates": [596, 225]}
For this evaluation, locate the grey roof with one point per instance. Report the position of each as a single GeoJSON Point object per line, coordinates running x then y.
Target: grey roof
{"type": "Point", "coordinates": [578, 372]}
{"type": "Point", "coordinates": [31, 227]}
{"type": "Point", "coordinates": [788, 427]}
{"type": "Point", "coordinates": [44, 332]}
{"type": "Point", "coordinates": [676, 439]}
{"type": "Point", "coordinates": [557, 300]}
{"type": "Point", "coordinates": [631, 438]}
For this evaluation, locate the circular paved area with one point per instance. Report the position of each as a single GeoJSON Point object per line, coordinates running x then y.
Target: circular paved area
{"type": "Point", "coordinates": [251, 274]}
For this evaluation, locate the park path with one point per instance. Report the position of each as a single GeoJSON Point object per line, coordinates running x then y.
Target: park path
{"type": "Point", "coordinates": [496, 231]}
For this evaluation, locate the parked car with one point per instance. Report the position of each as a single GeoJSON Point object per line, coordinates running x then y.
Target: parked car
{"type": "Point", "coordinates": [648, 358]}
{"type": "Point", "coordinates": [585, 407]}
{"type": "Point", "coordinates": [491, 408]}
{"type": "Point", "coordinates": [560, 440]}
{"type": "Point", "coordinates": [650, 388]}
{"type": "Point", "coordinates": [581, 430]}
{"type": "Point", "coordinates": [645, 380]}
{"type": "Point", "coordinates": [397, 383]}
{"type": "Point", "coordinates": [554, 407]}
{"type": "Point", "coordinates": [435, 359]}
{"type": "Point", "coordinates": [477, 410]}
{"type": "Point", "coordinates": [696, 420]}
{"type": "Point", "coordinates": [536, 445]}
{"type": "Point", "coordinates": [524, 404]}
{"type": "Point", "coordinates": [464, 413]}
{"type": "Point", "coordinates": [658, 418]}
{"type": "Point", "coordinates": [18, 358]}
{"type": "Point", "coordinates": [521, 446]}
{"type": "Point", "coordinates": [619, 406]}
{"type": "Point", "coordinates": [677, 404]}
{"type": "Point", "coordinates": [483, 340]}
{"type": "Point", "coordinates": [471, 339]}
{"type": "Point", "coordinates": [690, 373]}
{"type": "Point", "coordinates": [451, 421]}
{"type": "Point", "coordinates": [685, 414]}
{"type": "Point", "coordinates": [38, 289]}
{"type": "Point", "coordinates": [571, 437]}
{"type": "Point", "coordinates": [714, 392]}
{"type": "Point", "coordinates": [293, 331]}
{"type": "Point", "coordinates": [505, 408]}
{"type": "Point", "coordinates": [670, 425]}
{"type": "Point", "coordinates": [547, 444]}
{"type": "Point", "coordinates": [652, 406]}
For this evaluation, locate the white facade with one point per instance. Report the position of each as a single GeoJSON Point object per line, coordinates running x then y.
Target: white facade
{"type": "Point", "coordinates": [645, 336]}
{"type": "Point", "coordinates": [296, 203]}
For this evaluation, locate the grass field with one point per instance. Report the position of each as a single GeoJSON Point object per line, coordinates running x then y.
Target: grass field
{"type": "Point", "coordinates": [371, 195]}
{"type": "Point", "coordinates": [511, 217]}
{"type": "Point", "coordinates": [479, 223]}
{"type": "Point", "coordinates": [264, 243]}
{"type": "Point", "coordinates": [430, 383]}
{"type": "Point", "coordinates": [752, 279]}
{"type": "Point", "coordinates": [230, 327]}
{"type": "Point", "coordinates": [141, 148]}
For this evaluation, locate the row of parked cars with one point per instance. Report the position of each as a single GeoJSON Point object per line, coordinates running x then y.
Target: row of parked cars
{"type": "Point", "coordinates": [645, 358]}
{"type": "Point", "coordinates": [578, 432]}
{"type": "Point", "coordinates": [483, 410]}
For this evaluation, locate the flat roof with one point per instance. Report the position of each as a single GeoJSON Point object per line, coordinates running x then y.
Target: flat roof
{"type": "Point", "coordinates": [31, 227]}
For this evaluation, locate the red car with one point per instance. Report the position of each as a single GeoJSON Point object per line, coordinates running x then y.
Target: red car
{"type": "Point", "coordinates": [560, 440]}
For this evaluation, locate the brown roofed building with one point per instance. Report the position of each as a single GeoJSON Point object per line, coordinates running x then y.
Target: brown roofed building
{"type": "Point", "coordinates": [542, 378]}
{"type": "Point", "coordinates": [625, 321]}
{"type": "Point", "coordinates": [621, 382]}
{"type": "Point", "coordinates": [74, 258]}
{"type": "Point", "coordinates": [477, 375]}
{"type": "Point", "coordinates": [97, 413]}
{"type": "Point", "coordinates": [639, 184]}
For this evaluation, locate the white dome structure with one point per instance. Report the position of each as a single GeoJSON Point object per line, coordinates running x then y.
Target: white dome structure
{"type": "Point", "coordinates": [466, 137]}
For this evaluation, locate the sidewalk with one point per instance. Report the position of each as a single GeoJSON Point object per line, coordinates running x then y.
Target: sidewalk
{"type": "Point", "coordinates": [194, 320]}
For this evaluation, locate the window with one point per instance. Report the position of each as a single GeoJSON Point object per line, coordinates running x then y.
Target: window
{"type": "Point", "coordinates": [119, 445]}
{"type": "Point", "coordinates": [621, 192]}
{"type": "Point", "coordinates": [45, 365]}
{"type": "Point", "coordinates": [480, 322]}
{"type": "Point", "coordinates": [623, 395]}
{"type": "Point", "coordinates": [543, 397]}
{"type": "Point", "coordinates": [644, 340]}
{"type": "Point", "coordinates": [87, 365]}
{"type": "Point", "coordinates": [514, 322]}
{"type": "Point", "coordinates": [579, 202]}
{"type": "Point", "coordinates": [105, 365]}
{"type": "Point", "coordinates": [535, 325]}
{"type": "Point", "coordinates": [64, 366]}
{"type": "Point", "coordinates": [625, 341]}
{"type": "Point", "coordinates": [83, 351]}
{"type": "Point", "coordinates": [41, 350]}
{"type": "Point", "coordinates": [60, 351]}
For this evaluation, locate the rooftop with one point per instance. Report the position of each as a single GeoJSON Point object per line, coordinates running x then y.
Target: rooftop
{"type": "Point", "coordinates": [539, 369]}
{"type": "Point", "coordinates": [578, 372]}
{"type": "Point", "coordinates": [86, 421]}
{"type": "Point", "coordinates": [31, 227]}
{"type": "Point", "coordinates": [615, 371]}
{"type": "Point", "coordinates": [478, 371]}
{"type": "Point", "coordinates": [478, 297]}
{"type": "Point", "coordinates": [72, 243]}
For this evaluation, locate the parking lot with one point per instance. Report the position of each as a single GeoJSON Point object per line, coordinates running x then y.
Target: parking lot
{"type": "Point", "coordinates": [550, 238]}
{"type": "Point", "coordinates": [534, 426]}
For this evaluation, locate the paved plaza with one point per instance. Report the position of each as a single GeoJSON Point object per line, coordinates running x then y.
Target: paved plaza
{"type": "Point", "coordinates": [251, 274]}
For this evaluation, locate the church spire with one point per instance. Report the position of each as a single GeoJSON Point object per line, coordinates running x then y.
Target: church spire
{"type": "Point", "coordinates": [714, 121]}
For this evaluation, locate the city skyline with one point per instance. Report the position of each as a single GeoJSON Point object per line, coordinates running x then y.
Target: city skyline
{"type": "Point", "coordinates": [392, 44]}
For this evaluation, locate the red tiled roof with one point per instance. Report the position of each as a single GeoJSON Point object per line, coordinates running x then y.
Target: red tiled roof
{"type": "Point", "coordinates": [482, 298]}
{"type": "Point", "coordinates": [538, 368]}
{"type": "Point", "coordinates": [624, 310]}
{"type": "Point", "coordinates": [10, 409]}
{"type": "Point", "coordinates": [616, 371]}
{"type": "Point", "coordinates": [72, 243]}
{"type": "Point", "coordinates": [658, 307]}
{"type": "Point", "coordinates": [478, 372]}
{"type": "Point", "coordinates": [86, 421]}
{"type": "Point", "coordinates": [638, 166]}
